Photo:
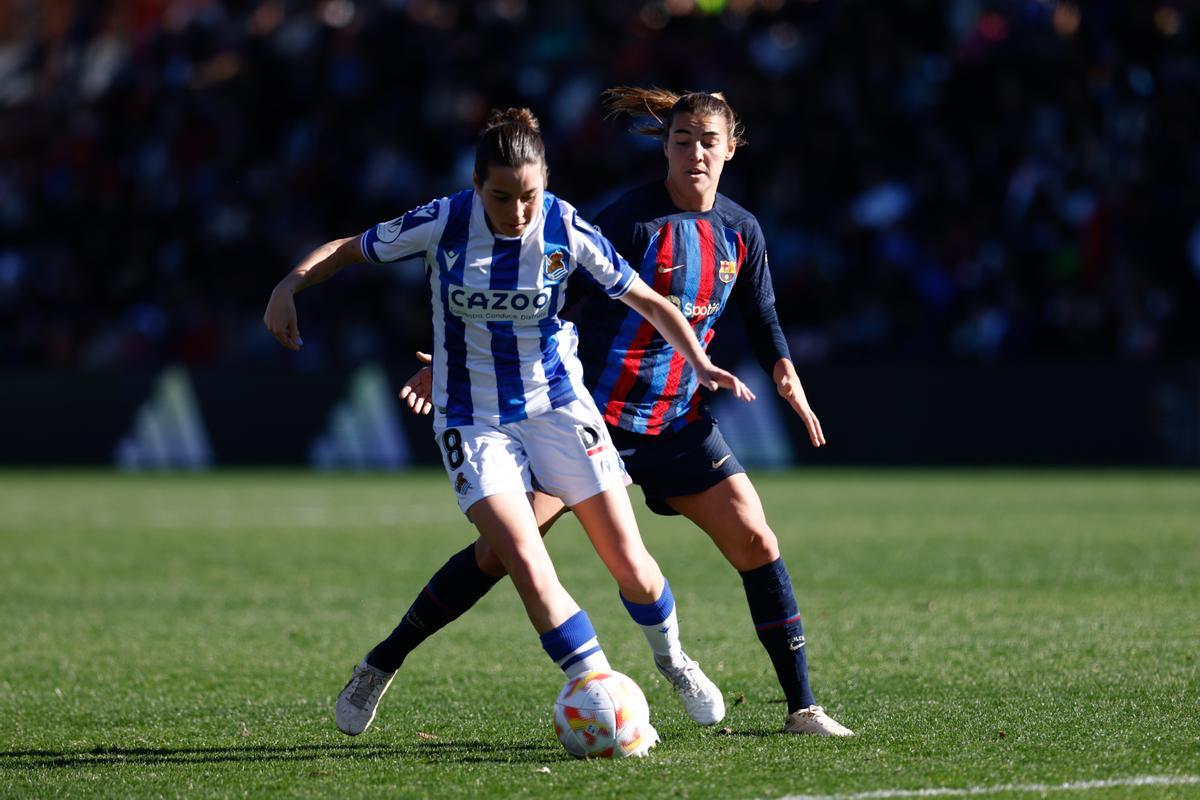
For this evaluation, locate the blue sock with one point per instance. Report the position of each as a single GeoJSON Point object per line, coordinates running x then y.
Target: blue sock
{"type": "Point", "coordinates": [660, 625]}
{"type": "Point", "coordinates": [573, 646]}
{"type": "Point", "coordinates": [451, 591]}
{"type": "Point", "coordinates": [777, 621]}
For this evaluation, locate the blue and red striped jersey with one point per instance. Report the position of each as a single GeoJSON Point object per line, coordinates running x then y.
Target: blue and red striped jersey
{"type": "Point", "coordinates": [700, 261]}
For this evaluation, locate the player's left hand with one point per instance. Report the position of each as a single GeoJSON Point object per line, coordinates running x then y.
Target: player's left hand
{"type": "Point", "coordinates": [790, 389]}
{"type": "Point", "coordinates": [716, 378]}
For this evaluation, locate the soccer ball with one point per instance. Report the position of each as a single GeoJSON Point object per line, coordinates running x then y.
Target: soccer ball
{"type": "Point", "coordinates": [603, 715]}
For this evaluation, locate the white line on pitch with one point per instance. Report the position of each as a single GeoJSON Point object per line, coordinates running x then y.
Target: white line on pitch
{"type": "Point", "coordinates": [971, 791]}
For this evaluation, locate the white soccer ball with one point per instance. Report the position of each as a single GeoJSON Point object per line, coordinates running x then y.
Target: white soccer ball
{"type": "Point", "coordinates": [603, 715]}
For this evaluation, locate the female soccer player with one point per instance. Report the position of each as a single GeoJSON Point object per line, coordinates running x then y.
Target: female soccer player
{"type": "Point", "coordinates": [701, 251]}
{"type": "Point", "coordinates": [510, 400]}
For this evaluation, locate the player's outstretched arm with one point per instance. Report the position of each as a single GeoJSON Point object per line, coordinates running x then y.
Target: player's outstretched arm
{"type": "Point", "coordinates": [787, 383]}
{"type": "Point", "coordinates": [417, 391]}
{"type": "Point", "coordinates": [675, 329]}
{"type": "Point", "coordinates": [321, 264]}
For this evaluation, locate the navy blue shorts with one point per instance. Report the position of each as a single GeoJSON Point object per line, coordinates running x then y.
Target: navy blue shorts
{"type": "Point", "coordinates": [675, 463]}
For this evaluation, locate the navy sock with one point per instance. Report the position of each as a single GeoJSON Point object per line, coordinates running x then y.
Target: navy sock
{"type": "Point", "coordinates": [777, 621]}
{"type": "Point", "coordinates": [451, 591]}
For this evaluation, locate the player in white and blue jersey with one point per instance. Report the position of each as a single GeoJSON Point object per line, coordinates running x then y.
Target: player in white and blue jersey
{"type": "Point", "coordinates": [704, 252]}
{"type": "Point", "coordinates": [512, 412]}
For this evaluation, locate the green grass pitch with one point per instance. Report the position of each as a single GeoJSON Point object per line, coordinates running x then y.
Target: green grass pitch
{"type": "Point", "coordinates": [186, 636]}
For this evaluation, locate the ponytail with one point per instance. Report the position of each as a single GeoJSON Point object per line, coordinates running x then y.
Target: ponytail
{"type": "Point", "coordinates": [662, 105]}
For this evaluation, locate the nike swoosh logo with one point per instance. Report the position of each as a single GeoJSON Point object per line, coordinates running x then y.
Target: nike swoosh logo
{"type": "Point", "coordinates": [671, 269]}
{"type": "Point", "coordinates": [717, 464]}
{"type": "Point", "coordinates": [623, 453]}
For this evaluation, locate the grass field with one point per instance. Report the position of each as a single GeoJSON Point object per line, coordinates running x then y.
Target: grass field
{"type": "Point", "coordinates": [186, 635]}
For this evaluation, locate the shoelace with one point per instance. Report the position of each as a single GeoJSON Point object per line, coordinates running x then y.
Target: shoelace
{"type": "Point", "coordinates": [685, 681]}
{"type": "Point", "coordinates": [367, 682]}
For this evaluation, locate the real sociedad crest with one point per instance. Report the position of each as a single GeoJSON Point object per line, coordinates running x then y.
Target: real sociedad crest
{"type": "Point", "coordinates": [556, 266]}
{"type": "Point", "coordinates": [728, 271]}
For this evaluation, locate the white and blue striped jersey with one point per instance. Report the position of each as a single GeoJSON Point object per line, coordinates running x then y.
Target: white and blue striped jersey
{"type": "Point", "coordinates": [501, 352]}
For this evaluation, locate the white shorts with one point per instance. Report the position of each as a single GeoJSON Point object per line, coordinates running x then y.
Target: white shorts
{"type": "Point", "coordinates": [565, 452]}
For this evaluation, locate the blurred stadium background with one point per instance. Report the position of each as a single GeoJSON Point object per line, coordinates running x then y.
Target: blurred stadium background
{"type": "Point", "coordinates": [983, 216]}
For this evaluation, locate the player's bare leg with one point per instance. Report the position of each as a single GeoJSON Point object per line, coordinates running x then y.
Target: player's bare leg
{"type": "Point", "coordinates": [507, 524]}
{"type": "Point", "coordinates": [612, 528]}
{"type": "Point", "coordinates": [732, 515]}
{"type": "Point", "coordinates": [610, 524]}
{"type": "Point", "coordinates": [547, 509]}
{"type": "Point", "coordinates": [464, 579]}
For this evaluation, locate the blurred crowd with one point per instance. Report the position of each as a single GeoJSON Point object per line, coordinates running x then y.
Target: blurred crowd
{"type": "Point", "coordinates": [965, 179]}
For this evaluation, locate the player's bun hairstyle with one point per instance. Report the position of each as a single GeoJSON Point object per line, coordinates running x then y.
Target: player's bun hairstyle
{"type": "Point", "coordinates": [511, 138]}
{"type": "Point", "coordinates": [662, 105]}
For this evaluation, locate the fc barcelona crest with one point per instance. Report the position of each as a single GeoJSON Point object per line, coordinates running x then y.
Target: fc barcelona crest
{"type": "Point", "coordinates": [728, 271]}
{"type": "Point", "coordinates": [556, 266]}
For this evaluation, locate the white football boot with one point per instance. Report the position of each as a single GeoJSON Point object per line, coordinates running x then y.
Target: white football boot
{"type": "Point", "coordinates": [355, 706]}
{"type": "Point", "coordinates": [813, 720]}
{"type": "Point", "coordinates": [650, 738]}
{"type": "Point", "coordinates": [700, 696]}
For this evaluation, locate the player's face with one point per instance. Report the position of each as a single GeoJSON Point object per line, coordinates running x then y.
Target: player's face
{"type": "Point", "coordinates": [697, 148]}
{"type": "Point", "coordinates": [511, 196]}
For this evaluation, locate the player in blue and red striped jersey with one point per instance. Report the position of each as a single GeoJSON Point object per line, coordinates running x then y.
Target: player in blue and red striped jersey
{"type": "Point", "coordinates": [511, 404]}
{"type": "Point", "coordinates": [702, 251]}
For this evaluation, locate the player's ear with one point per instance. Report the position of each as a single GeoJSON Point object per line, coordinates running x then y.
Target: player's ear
{"type": "Point", "coordinates": [478, 184]}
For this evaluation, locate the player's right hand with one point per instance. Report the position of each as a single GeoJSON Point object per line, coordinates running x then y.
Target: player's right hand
{"type": "Point", "coordinates": [417, 391]}
{"type": "Point", "coordinates": [280, 318]}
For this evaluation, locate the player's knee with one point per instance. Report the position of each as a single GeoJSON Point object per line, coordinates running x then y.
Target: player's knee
{"type": "Point", "coordinates": [487, 560]}
{"type": "Point", "coordinates": [640, 579]}
{"type": "Point", "coordinates": [757, 549]}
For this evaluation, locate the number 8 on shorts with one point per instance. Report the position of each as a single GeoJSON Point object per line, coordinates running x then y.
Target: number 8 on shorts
{"type": "Point", "coordinates": [567, 451]}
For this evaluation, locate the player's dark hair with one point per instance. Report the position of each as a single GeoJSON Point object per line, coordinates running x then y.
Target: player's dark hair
{"type": "Point", "coordinates": [511, 138]}
{"type": "Point", "coordinates": [662, 105]}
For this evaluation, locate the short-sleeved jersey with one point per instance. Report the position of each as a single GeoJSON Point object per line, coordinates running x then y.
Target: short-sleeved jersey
{"type": "Point", "coordinates": [695, 259]}
{"type": "Point", "coordinates": [501, 352]}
